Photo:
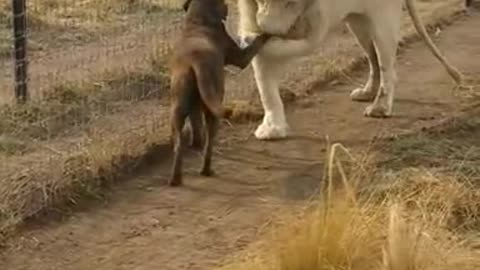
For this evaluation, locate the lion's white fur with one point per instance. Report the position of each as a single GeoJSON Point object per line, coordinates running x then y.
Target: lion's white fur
{"type": "Point", "coordinates": [375, 24]}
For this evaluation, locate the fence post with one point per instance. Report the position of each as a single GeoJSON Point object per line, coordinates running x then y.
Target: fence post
{"type": "Point", "coordinates": [20, 48]}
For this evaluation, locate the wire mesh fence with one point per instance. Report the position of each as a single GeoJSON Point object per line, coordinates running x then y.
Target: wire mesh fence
{"type": "Point", "coordinates": [72, 40]}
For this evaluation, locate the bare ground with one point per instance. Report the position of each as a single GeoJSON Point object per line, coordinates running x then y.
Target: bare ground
{"type": "Point", "coordinates": [144, 224]}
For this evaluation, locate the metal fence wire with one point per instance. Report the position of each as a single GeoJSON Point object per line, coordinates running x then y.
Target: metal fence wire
{"type": "Point", "coordinates": [20, 44]}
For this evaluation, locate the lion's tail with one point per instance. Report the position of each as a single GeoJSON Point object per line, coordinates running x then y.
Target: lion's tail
{"type": "Point", "coordinates": [419, 26]}
{"type": "Point", "coordinates": [210, 87]}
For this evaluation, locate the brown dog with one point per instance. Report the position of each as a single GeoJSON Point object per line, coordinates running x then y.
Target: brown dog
{"type": "Point", "coordinates": [197, 76]}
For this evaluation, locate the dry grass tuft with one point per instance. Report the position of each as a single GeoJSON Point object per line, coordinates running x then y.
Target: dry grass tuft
{"type": "Point", "coordinates": [454, 201]}
{"type": "Point", "coordinates": [441, 167]}
{"type": "Point", "coordinates": [340, 237]}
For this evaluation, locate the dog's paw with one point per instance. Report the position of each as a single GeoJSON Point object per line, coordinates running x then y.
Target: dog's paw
{"type": "Point", "coordinates": [269, 131]}
{"type": "Point", "coordinates": [247, 39]}
{"type": "Point", "coordinates": [207, 172]}
{"type": "Point", "coordinates": [175, 181]}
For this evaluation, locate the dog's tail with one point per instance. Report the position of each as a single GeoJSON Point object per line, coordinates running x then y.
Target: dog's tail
{"type": "Point", "coordinates": [419, 26]}
{"type": "Point", "coordinates": [210, 86]}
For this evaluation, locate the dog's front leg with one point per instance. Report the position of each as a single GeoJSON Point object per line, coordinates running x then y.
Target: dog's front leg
{"type": "Point", "coordinates": [242, 57]}
{"type": "Point", "coordinates": [267, 74]}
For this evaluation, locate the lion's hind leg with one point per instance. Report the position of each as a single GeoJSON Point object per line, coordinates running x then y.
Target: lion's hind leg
{"type": "Point", "coordinates": [386, 27]}
{"type": "Point", "coordinates": [361, 27]}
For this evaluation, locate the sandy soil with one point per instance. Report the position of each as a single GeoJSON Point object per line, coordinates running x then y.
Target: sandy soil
{"type": "Point", "coordinates": [145, 225]}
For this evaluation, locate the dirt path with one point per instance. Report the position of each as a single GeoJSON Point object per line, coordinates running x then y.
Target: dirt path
{"type": "Point", "coordinates": [145, 225]}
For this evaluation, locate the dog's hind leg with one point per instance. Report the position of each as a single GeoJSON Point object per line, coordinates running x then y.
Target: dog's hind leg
{"type": "Point", "coordinates": [177, 122]}
{"type": "Point", "coordinates": [210, 82]}
{"type": "Point", "coordinates": [212, 124]}
{"type": "Point", "coordinates": [196, 126]}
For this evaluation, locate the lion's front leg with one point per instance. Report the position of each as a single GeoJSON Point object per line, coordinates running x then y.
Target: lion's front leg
{"type": "Point", "coordinates": [267, 75]}
{"type": "Point", "coordinates": [302, 45]}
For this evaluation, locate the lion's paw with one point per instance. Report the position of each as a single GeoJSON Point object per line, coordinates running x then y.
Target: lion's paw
{"type": "Point", "coordinates": [377, 111]}
{"type": "Point", "coordinates": [269, 131]}
{"type": "Point", "coordinates": [361, 95]}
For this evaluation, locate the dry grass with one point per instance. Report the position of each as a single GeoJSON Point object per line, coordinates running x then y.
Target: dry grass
{"type": "Point", "coordinates": [71, 106]}
{"type": "Point", "coordinates": [57, 23]}
{"type": "Point", "coordinates": [419, 209]}
{"type": "Point", "coordinates": [86, 13]}
{"type": "Point", "coordinates": [94, 13]}
{"type": "Point", "coordinates": [52, 178]}
{"type": "Point", "coordinates": [400, 223]}
{"type": "Point", "coordinates": [436, 164]}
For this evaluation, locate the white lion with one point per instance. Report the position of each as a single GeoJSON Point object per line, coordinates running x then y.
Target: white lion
{"type": "Point", "coordinates": [301, 25]}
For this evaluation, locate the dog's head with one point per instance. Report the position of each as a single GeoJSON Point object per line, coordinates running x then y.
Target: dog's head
{"type": "Point", "coordinates": [211, 10]}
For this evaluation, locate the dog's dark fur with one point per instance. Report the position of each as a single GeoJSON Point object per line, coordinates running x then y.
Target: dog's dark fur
{"type": "Point", "coordinates": [197, 76]}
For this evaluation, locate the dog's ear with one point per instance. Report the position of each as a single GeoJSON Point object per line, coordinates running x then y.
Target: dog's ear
{"type": "Point", "coordinates": [186, 5]}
